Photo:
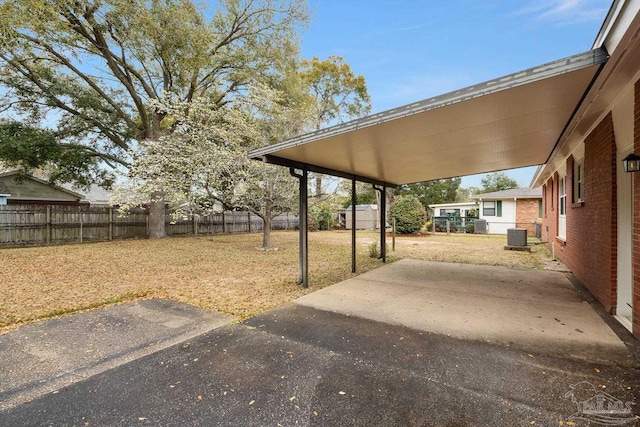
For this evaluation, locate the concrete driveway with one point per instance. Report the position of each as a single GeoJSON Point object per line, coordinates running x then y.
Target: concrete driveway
{"type": "Point", "coordinates": [411, 343]}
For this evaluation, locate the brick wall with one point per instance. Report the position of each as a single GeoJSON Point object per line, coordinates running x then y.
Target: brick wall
{"type": "Point", "coordinates": [526, 214]}
{"type": "Point", "coordinates": [636, 217]}
{"type": "Point", "coordinates": [590, 248]}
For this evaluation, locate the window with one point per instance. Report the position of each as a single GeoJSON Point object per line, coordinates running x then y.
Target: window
{"type": "Point", "coordinates": [578, 181]}
{"type": "Point", "coordinates": [489, 208]}
{"type": "Point", "coordinates": [499, 208]}
{"type": "Point", "coordinates": [539, 208]}
{"type": "Point", "coordinates": [562, 208]}
{"type": "Point", "coordinates": [562, 196]}
{"type": "Point", "coordinates": [449, 212]}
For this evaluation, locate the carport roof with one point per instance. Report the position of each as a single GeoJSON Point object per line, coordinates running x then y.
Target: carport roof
{"type": "Point", "coordinates": [509, 122]}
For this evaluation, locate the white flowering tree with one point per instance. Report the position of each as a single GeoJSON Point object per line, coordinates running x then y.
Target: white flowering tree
{"type": "Point", "coordinates": [205, 159]}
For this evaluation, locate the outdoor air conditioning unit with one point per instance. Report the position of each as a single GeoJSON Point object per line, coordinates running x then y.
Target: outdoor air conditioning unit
{"type": "Point", "coordinates": [480, 226]}
{"type": "Point", "coordinates": [517, 237]}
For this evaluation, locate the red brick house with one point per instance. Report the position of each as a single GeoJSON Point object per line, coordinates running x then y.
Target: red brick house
{"type": "Point", "coordinates": [591, 206]}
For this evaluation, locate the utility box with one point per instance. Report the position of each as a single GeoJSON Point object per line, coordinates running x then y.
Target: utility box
{"type": "Point", "coordinates": [517, 237]}
{"type": "Point", "coordinates": [537, 230]}
{"type": "Point", "coordinates": [480, 226]}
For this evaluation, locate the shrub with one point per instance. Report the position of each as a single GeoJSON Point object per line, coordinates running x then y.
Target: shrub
{"type": "Point", "coordinates": [409, 214]}
{"type": "Point", "coordinates": [325, 218]}
{"type": "Point", "coordinates": [322, 218]}
{"type": "Point", "coordinates": [373, 250]}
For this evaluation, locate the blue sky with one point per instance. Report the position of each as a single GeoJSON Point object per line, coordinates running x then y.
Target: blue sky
{"type": "Point", "coordinates": [410, 50]}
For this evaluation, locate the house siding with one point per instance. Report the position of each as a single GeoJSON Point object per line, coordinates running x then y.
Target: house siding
{"type": "Point", "coordinates": [31, 191]}
{"type": "Point", "coordinates": [500, 224]}
{"type": "Point", "coordinates": [590, 247]}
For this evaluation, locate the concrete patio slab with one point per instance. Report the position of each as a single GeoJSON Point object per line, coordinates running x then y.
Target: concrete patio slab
{"type": "Point", "coordinates": [42, 357]}
{"type": "Point", "coordinates": [532, 310]}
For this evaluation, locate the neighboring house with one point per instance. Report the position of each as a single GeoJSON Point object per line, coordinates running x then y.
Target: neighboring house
{"type": "Point", "coordinates": [454, 209]}
{"type": "Point", "coordinates": [25, 190]}
{"type": "Point", "coordinates": [459, 215]}
{"type": "Point", "coordinates": [367, 217]}
{"type": "Point", "coordinates": [515, 208]}
{"type": "Point", "coordinates": [95, 196]}
{"type": "Point", "coordinates": [591, 205]}
{"type": "Point", "coordinates": [4, 194]}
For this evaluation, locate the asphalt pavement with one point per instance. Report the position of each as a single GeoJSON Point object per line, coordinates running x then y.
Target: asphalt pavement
{"type": "Point", "coordinates": [314, 364]}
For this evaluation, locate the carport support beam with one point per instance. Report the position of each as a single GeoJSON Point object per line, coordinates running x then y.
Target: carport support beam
{"type": "Point", "coordinates": [353, 225]}
{"type": "Point", "coordinates": [303, 248]}
{"type": "Point", "coordinates": [383, 221]}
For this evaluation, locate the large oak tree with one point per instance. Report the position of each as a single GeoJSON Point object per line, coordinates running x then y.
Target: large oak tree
{"type": "Point", "coordinates": [94, 69]}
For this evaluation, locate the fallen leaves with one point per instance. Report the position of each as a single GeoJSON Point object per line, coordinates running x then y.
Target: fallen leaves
{"type": "Point", "coordinates": [215, 272]}
{"type": "Point", "coordinates": [220, 272]}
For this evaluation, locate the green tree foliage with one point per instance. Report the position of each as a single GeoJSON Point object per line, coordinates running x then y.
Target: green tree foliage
{"type": "Point", "coordinates": [96, 67]}
{"type": "Point", "coordinates": [464, 194]}
{"type": "Point", "coordinates": [365, 194]}
{"type": "Point", "coordinates": [432, 192]}
{"type": "Point", "coordinates": [339, 94]}
{"type": "Point", "coordinates": [26, 148]}
{"type": "Point", "coordinates": [497, 181]}
{"type": "Point", "coordinates": [321, 217]}
{"type": "Point", "coordinates": [409, 213]}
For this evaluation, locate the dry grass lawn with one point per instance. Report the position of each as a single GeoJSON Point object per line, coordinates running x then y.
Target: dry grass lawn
{"type": "Point", "coordinates": [222, 272]}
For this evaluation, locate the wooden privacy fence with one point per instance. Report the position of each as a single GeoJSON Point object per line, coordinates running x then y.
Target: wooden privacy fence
{"type": "Point", "coordinates": [51, 224]}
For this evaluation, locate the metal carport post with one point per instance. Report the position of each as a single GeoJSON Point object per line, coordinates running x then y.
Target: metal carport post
{"type": "Point", "coordinates": [303, 257]}
{"type": "Point", "coordinates": [303, 241]}
{"type": "Point", "coordinates": [383, 220]}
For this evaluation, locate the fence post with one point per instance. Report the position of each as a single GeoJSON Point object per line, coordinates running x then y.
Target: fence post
{"type": "Point", "coordinates": [80, 216]}
{"type": "Point", "coordinates": [393, 241]}
{"type": "Point", "coordinates": [110, 223]}
{"type": "Point", "coordinates": [224, 223]}
{"type": "Point", "coordinates": [195, 225]}
{"type": "Point", "coordinates": [48, 227]}
{"type": "Point", "coordinates": [249, 217]}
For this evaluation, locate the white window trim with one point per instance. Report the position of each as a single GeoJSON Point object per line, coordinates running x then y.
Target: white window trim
{"type": "Point", "coordinates": [578, 188]}
{"type": "Point", "coordinates": [562, 207]}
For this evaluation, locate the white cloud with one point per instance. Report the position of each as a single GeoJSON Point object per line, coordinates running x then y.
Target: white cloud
{"type": "Point", "coordinates": [566, 12]}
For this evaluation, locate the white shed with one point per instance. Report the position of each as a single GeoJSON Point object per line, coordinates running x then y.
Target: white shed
{"type": "Point", "coordinates": [367, 217]}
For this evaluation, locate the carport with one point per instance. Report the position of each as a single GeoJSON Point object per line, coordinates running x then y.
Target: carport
{"type": "Point", "coordinates": [509, 122]}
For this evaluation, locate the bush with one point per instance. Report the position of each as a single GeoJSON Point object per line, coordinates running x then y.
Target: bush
{"type": "Point", "coordinates": [409, 214]}
{"type": "Point", "coordinates": [373, 250]}
{"type": "Point", "coordinates": [322, 218]}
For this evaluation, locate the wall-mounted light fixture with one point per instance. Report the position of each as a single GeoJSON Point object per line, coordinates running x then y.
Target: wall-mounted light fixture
{"type": "Point", "coordinates": [631, 163]}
